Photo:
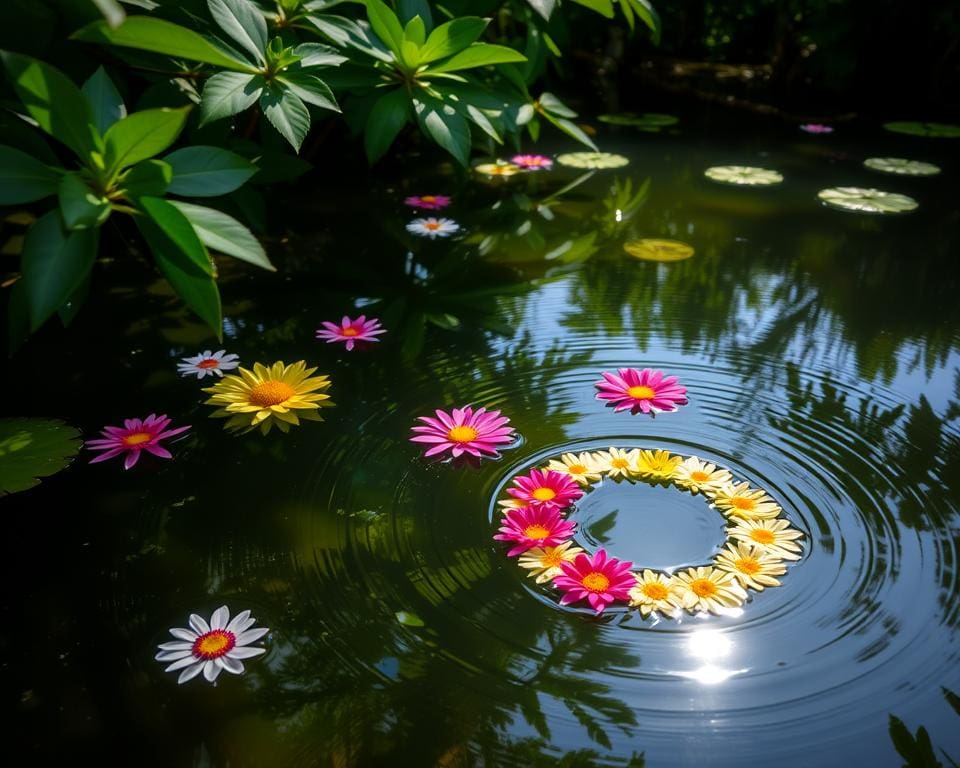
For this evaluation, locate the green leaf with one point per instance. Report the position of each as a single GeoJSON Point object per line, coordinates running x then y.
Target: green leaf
{"type": "Point", "coordinates": [104, 100]}
{"type": "Point", "coordinates": [111, 11]}
{"type": "Point", "coordinates": [150, 178]}
{"type": "Point", "coordinates": [23, 179]}
{"type": "Point", "coordinates": [603, 7]}
{"type": "Point", "coordinates": [225, 234]}
{"type": "Point", "coordinates": [478, 55]}
{"type": "Point", "coordinates": [207, 171]}
{"type": "Point", "coordinates": [147, 33]}
{"type": "Point", "coordinates": [415, 32]}
{"type": "Point", "coordinates": [451, 37]}
{"type": "Point", "coordinates": [54, 102]}
{"type": "Point", "coordinates": [318, 55]}
{"type": "Point", "coordinates": [410, 8]}
{"type": "Point", "coordinates": [544, 7]}
{"type": "Point", "coordinates": [445, 126]}
{"type": "Point", "coordinates": [228, 93]}
{"type": "Point", "coordinates": [387, 118]}
{"type": "Point", "coordinates": [287, 113]}
{"type": "Point", "coordinates": [54, 264]}
{"type": "Point", "coordinates": [348, 33]}
{"type": "Point", "coordinates": [31, 449]}
{"type": "Point", "coordinates": [175, 228]}
{"type": "Point", "coordinates": [197, 288]}
{"type": "Point", "coordinates": [386, 24]}
{"type": "Point", "coordinates": [311, 89]}
{"type": "Point", "coordinates": [409, 619]}
{"type": "Point", "coordinates": [554, 106]}
{"type": "Point", "coordinates": [142, 135]}
{"type": "Point", "coordinates": [572, 130]}
{"type": "Point", "coordinates": [243, 23]}
{"type": "Point", "coordinates": [409, 55]}
{"type": "Point", "coordinates": [80, 207]}
{"type": "Point", "coordinates": [71, 307]}
{"type": "Point", "coordinates": [647, 13]}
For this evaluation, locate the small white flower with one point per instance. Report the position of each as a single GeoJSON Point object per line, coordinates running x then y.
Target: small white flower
{"type": "Point", "coordinates": [210, 648]}
{"type": "Point", "coordinates": [208, 363]}
{"type": "Point", "coordinates": [433, 227]}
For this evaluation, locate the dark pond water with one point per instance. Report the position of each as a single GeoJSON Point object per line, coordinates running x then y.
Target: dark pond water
{"type": "Point", "coordinates": [820, 349]}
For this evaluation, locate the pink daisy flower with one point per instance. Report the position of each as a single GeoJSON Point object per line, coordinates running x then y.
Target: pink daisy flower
{"type": "Point", "coordinates": [534, 527]}
{"type": "Point", "coordinates": [816, 128]}
{"type": "Point", "coordinates": [428, 202]}
{"type": "Point", "coordinates": [646, 390]}
{"type": "Point", "coordinates": [351, 331]}
{"type": "Point", "coordinates": [464, 431]}
{"type": "Point", "coordinates": [134, 436]}
{"type": "Point", "coordinates": [599, 579]}
{"type": "Point", "coordinates": [546, 488]}
{"type": "Point", "coordinates": [532, 162]}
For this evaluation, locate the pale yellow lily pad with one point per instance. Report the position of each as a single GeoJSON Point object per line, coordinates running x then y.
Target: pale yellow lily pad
{"type": "Point", "coordinates": [654, 249]}
{"type": "Point", "coordinates": [743, 175]}
{"type": "Point", "coordinates": [867, 200]}
{"type": "Point", "coordinates": [592, 160]}
{"type": "Point", "coordinates": [901, 166]}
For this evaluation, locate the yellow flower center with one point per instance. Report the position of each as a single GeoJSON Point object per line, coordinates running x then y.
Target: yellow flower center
{"type": "Point", "coordinates": [209, 363]}
{"type": "Point", "coordinates": [270, 392]}
{"type": "Point", "coordinates": [577, 469]}
{"type": "Point", "coordinates": [137, 438]}
{"type": "Point", "coordinates": [762, 536]}
{"type": "Point", "coordinates": [747, 565]}
{"type": "Point", "coordinates": [703, 587]}
{"type": "Point", "coordinates": [351, 331]}
{"type": "Point", "coordinates": [620, 463]}
{"type": "Point", "coordinates": [544, 494]}
{"type": "Point", "coordinates": [655, 590]}
{"type": "Point", "coordinates": [596, 582]}
{"type": "Point", "coordinates": [641, 393]}
{"type": "Point", "coordinates": [462, 434]}
{"type": "Point", "coordinates": [428, 198]}
{"type": "Point", "coordinates": [698, 476]}
{"type": "Point", "coordinates": [552, 559]}
{"type": "Point", "coordinates": [432, 225]}
{"type": "Point", "coordinates": [742, 503]}
{"type": "Point", "coordinates": [214, 644]}
{"type": "Point", "coordinates": [536, 531]}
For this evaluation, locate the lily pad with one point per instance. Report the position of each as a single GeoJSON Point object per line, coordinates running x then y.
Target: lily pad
{"type": "Point", "coordinates": [649, 121]}
{"type": "Point", "coordinates": [592, 160]}
{"type": "Point", "coordinates": [867, 200]}
{"type": "Point", "coordinates": [653, 249]}
{"type": "Point", "coordinates": [901, 166]}
{"type": "Point", "coordinates": [743, 175]}
{"type": "Point", "coordinates": [932, 130]}
{"type": "Point", "coordinates": [31, 449]}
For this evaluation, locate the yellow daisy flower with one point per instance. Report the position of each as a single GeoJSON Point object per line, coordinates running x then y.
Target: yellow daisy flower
{"type": "Point", "coordinates": [265, 396]}
{"type": "Point", "coordinates": [773, 537]}
{"type": "Point", "coordinates": [742, 501]}
{"type": "Point", "coordinates": [656, 465]}
{"type": "Point", "coordinates": [708, 589]}
{"type": "Point", "coordinates": [697, 475]}
{"type": "Point", "coordinates": [656, 592]}
{"type": "Point", "coordinates": [616, 462]}
{"type": "Point", "coordinates": [582, 468]}
{"type": "Point", "coordinates": [544, 562]}
{"type": "Point", "coordinates": [751, 565]}
{"type": "Point", "coordinates": [498, 168]}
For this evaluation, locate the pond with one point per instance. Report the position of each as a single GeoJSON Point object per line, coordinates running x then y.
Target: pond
{"type": "Point", "coordinates": [819, 349]}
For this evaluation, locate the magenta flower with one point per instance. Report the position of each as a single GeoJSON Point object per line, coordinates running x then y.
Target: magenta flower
{"type": "Point", "coordinates": [599, 579]}
{"type": "Point", "coordinates": [816, 128]}
{"type": "Point", "coordinates": [534, 527]}
{"type": "Point", "coordinates": [464, 431]}
{"type": "Point", "coordinates": [428, 202]}
{"type": "Point", "coordinates": [646, 390]}
{"type": "Point", "coordinates": [132, 438]}
{"type": "Point", "coordinates": [532, 162]}
{"type": "Point", "coordinates": [351, 331]}
{"type": "Point", "coordinates": [544, 488]}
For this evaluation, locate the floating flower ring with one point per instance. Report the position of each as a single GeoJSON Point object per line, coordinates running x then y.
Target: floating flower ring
{"type": "Point", "coordinates": [759, 540]}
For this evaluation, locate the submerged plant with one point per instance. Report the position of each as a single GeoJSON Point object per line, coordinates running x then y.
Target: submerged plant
{"type": "Point", "coordinates": [134, 437]}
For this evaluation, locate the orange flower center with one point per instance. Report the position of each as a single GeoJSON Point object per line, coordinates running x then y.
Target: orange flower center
{"type": "Point", "coordinates": [350, 331]}
{"type": "Point", "coordinates": [270, 392]}
{"type": "Point", "coordinates": [655, 590]}
{"type": "Point", "coordinates": [214, 644]}
{"type": "Point", "coordinates": [596, 582]}
{"type": "Point", "coordinates": [536, 531]}
{"type": "Point", "coordinates": [462, 434]}
{"type": "Point", "coordinates": [620, 463]}
{"type": "Point", "coordinates": [641, 392]}
{"type": "Point", "coordinates": [137, 438]}
{"type": "Point", "coordinates": [544, 494]}
{"type": "Point", "coordinates": [747, 565]}
{"type": "Point", "coordinates": [577, 469]}
{"type": "Point", "coordinates": [432, 225]}
{"type": "Point", "coordinates": [703, 587]}
{"type": "Point", "coordinates": [698, 476]}
{"type": "Point", "coordinates": [762, 536]}
{"type": "Point", "coordinates": [741, 503]}
{"type": "Point", "coordinates": [429, 198]}
{"type": "Point", "coordinates": [210, 362]}
{"type": "Point", "coordinates": [552, 558]}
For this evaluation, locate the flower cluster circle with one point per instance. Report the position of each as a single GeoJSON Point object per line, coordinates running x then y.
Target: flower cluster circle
{"type": "Point", "coordinates": [759, 539]}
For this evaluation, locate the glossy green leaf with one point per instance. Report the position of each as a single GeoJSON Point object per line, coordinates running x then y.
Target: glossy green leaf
{"type": "Point", "coordinates": [225, 234]}
{"type": "Point", "coordinates": [207, 171]}
{"type": "Point", "coordinates": [318, 55]}
{"type": "Point", "coordinates": [407, 9]}
{"type": "Point", "coordinates": [23, 179]}
{"type": "Point", "coordinates": [603, 7]}
{"type": "Point", "coordinates": [54, 264]}
{"type": "Point", "coordinates": [387, 118]}
{"type": "Point", "coordinates": [287, 113]}
{"type": "Point", "coordinates": [228, 93]}
{"type": "Point", "coordinates": [111, 11]}
{"type": "Point", "coordinates": [80, 207]}
{"type": "Point", "coordinates": [479, 55]}
{"type": "Point", "coordinates": [452, 37]}
{"type": "Point", "coordinates": [147, 33]}
{"type": "Point", "coordinates": [409, 619]}
{"type": "Point", "coordinates": [177, 229]}
{"type": "Point", "coordinates": [554, 106]}
{"type": "Point", "coordinates": [444, 125]}
{"type": "Point", "coordinates": [572, 130]}
{"type": "Point", "coordinates": [349, 34]}
{"type": "Point", "coordinates": [150, 178]}
{"type": "Point", "coordinates": [647, 13]}
{"type": "Point", "coordinates": [142, 135]}
{"type": "Point", "coordinates": [54, 102]}
{"type": "Point", "coordinates": [31, 449]}
{"type": "Point", "coordinates": [386, 24]}
{"type": "Point", "coordinates": [311, 89]}
{"type": "Point", "coordinates": [415, 31]}
{"type": "Point", "coordinates": [243, 23]}
{"type": "Point", "coordinates": [105, 101]}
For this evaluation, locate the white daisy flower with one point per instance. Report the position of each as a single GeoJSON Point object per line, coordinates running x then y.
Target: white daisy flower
{"type": "Point", "coordinates": [210, 648]}
{"type": "Point", "coordinates": [433, 227]}
{"type": "Point", "coordinates": [208, 363]}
